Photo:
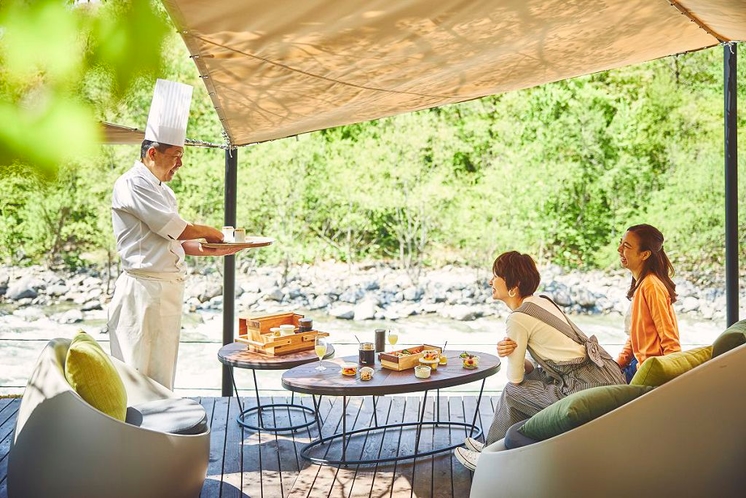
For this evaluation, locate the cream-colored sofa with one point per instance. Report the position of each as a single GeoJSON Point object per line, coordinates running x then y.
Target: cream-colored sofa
{"type": "Point", "coordinates": [684, 438]}
{"type": "Point", "coordinates": [63, 447]}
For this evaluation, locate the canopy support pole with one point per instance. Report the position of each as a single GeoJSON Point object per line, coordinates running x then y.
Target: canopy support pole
{"type": "Point", "coordinates": [229, 262]}
{"type": "Point", "coordinates": [731, 184]}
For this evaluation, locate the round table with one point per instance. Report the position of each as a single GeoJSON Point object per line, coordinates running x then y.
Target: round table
{"type": "Point", "coordinates": [237, 355]}
{"type": "Point", "coordinates": [330, 382]}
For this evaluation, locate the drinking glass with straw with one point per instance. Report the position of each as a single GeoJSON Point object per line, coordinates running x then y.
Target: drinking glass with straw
{"type": "Point", "coordinates": [393, 336]}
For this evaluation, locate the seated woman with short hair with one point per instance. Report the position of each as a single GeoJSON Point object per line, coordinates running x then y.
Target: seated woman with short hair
{"type": "Point", "coordinates": [566, 360]}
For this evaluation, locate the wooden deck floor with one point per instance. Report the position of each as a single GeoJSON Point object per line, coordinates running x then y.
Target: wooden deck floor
{"type": "Point", "coordinates": [246, 463]}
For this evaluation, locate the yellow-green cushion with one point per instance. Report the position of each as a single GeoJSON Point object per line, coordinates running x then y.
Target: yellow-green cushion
{"type": "Point", "coordinates": [91, 373]}
{"type": "Point", "coordinates": [579, 408]}
{"type": "Point", "coordinates": [734, 336]}
{"type": "Point", "coordinates": [657, 370]}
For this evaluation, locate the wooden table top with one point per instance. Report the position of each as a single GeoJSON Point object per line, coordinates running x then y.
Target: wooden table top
{"type": "Point", "coordinates": [331, 382]}
{"type": "Point", "coordinates": [237, 354]}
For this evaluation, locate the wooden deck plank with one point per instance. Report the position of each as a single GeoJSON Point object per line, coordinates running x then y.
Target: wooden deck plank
{"type": "Point", "coordinates": [318, 480]}
{"type": "Point", "coordinates": [404, 470]}
{"type": "Point", "coordinates": [217, 412]}
{"type": "Point", "coordinates": [8, 413]}
{"type": "Point", "coordinates": [232, 461]}
{"type": "Point", "coordinates": [442, 479]}
{"type": "Point", "coordinates": [251, 464]}
{"type": "Point", "coordinates": [365, 483]}
{"type": "Point", "coordinates": [461, 410]}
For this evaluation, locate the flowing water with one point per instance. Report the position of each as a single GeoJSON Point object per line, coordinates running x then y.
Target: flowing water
{"type": "Point", "coordinates": [199, 371]}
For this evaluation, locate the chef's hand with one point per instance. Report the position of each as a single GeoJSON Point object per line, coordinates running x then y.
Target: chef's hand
{"type": "Point", "coordinates": [506, 347]}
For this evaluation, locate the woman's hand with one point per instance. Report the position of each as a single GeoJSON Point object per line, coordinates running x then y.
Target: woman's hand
{"type": "Point", "coordinates": [506, 347]}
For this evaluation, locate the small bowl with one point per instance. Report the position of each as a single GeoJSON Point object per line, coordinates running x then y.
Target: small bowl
{"type": "Point", "coordinates": [287, 329]}
{"type": "Point", "coordinates": [349, 369]}
{"type": "Point", "coordinates": [366, 373]}
{"type": "Point", "coordinates": [470, 362]}
{"type": "Point", "coordinates": [431, 354]}
{"type": "Point", "coordinates": [422, 371]}
{"type": "Point", "coordinates": [275, 331]}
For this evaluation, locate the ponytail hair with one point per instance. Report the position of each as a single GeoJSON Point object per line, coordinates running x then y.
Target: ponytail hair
{"type": "Point", "coordinates": [651, 239]}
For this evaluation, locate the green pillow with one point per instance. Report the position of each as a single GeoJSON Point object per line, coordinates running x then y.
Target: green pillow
{"type": "Point", "coordinates": [657, 370]}
{"type": "Point", "coordinates": [91, 373]}
{"type": "Point", "coordinates": [734, 336]}
{"type": "Point", "coordinates": [579, 408]}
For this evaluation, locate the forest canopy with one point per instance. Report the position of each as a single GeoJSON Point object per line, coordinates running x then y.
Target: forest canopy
{"type": "Point", "coordinates": [558, 171]}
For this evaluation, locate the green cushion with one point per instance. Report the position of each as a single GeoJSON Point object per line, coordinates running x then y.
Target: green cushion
{"type": "Point", "coordinates": [657, 370]}
{"type": "Point", "coordinates": [579, 408]}
{"type": "Point", "coordinates": [91, 373]}
{"type": "Point", "coordinates": [734, 336]}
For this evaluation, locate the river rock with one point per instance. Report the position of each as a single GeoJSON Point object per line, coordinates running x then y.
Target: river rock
{"type": "Point", "coordinates": [365, 310]}
{"type": "Point", "coordinates": [342, 311]}
{"type": "Point", "coordinates": [69, 316]}
{"type": "Point", "coordinates": [24, 288]}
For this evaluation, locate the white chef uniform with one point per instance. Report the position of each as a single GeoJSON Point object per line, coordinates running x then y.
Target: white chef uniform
{"type": "Point", "coordinates": [145, 312]}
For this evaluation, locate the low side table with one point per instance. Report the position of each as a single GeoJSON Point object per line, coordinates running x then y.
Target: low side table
{"type": "Point", "coordinates": [330, 382]}
{"type": "Point", "coordinates": [237, 355]}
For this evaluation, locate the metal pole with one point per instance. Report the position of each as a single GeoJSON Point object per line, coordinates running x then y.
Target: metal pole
{"type": "Point", "coordinates": [229, 262]}
{"type": "Point", "coordinates": [731, 184]}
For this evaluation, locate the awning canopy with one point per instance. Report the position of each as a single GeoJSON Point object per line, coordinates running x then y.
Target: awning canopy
{"type": "Point", "coordinates": [283, 67]}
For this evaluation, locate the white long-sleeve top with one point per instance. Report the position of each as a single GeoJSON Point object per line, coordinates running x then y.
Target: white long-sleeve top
{"type": "Point", "coordinates": [547, 342]}
{"type": "Point", "coordinates": [146, 222]}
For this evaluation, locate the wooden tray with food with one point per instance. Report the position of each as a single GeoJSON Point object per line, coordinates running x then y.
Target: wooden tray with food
{"type": "Point", "coordinates": [405, 359]}
{"type": "Point", "coordinates": [257, 331]}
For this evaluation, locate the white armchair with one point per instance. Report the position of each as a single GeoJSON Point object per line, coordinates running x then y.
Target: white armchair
{"type": "Point", "coordinates": [64, 447]}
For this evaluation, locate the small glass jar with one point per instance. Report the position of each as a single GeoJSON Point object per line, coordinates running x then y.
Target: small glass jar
{"type": "Point", "coordinates": [239, 235]}
{"type": "Point", "coordinates": [305, 325]}
{"type": "Point", "coordinates": [367, 354]}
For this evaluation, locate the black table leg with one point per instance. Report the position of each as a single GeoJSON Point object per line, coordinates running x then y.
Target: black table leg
{"type": "Point", "coordinates": [259, 409]}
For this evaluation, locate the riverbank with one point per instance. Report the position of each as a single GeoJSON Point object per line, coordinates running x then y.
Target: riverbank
{"type": "Point", "coordinates": [451, 304]}
{"type": "Point", "coordinates": [348, 292]}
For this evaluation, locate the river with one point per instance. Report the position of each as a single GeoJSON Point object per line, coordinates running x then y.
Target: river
{"type": "Point", "coordinates": [199, 372]}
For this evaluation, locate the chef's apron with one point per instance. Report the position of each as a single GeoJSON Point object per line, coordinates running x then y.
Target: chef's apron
{"type": "Point", "coordinates": [145, 322]}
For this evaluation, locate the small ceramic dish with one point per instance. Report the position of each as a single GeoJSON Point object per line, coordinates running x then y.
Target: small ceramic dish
{"type": "Point", "coordinates": [366, 373]}
{"type": "Point", "coordinates": [349, 369]}
{"type": "Point", "coordinates": [287, 329]}
{"type": "Point", "coordinates": [471, 362]}
{"type": "Point", "coordinates": [422, 371]}
{"type": "Point", "coordinates": [433, 364]}
{"type": "Point", "coordinates": [275, 331]}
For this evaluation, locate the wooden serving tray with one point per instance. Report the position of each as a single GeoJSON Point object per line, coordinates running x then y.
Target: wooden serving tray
{"type": "Point", "coordinates": [393, 362]}
{"type": "Point", "coordinates": [285, 344]}
{"type": "Point", "coordinates": [248, 243]}
{"type": "Point", "coordinates": [254, 330]}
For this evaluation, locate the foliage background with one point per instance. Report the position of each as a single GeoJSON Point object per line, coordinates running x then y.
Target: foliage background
{"type": "Point", "coordinates": [558, 171]}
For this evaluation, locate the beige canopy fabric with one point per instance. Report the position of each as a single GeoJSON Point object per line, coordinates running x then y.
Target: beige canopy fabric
{"type": "Point", "coordinates": [115, 134]}
{"type": "Point", "coordinates": [283, 67]}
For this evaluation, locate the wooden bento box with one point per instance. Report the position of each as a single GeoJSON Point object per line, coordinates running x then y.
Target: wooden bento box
{"type": "Point", "coordinates": [394, 360]}
{"type": "Point", "coordinates": [254, 330]}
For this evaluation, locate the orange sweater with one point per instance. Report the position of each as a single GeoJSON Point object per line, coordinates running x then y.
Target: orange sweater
{"type": "Point", "coordinates": [654, 330]}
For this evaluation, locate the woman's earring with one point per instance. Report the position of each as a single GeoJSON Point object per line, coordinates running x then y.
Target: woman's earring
{"type": "Point", "coordinates": [511, 293]}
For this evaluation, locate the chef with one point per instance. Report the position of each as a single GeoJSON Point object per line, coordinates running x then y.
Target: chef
{"type": "Point", "coordinates": [152, 241]}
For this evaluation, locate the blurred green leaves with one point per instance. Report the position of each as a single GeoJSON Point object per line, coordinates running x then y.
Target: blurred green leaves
{"type": "Point", "coordinates": [51, 53]}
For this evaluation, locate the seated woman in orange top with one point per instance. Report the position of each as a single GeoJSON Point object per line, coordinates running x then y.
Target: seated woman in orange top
{"type": "Point", "coordinates": [653, 328]}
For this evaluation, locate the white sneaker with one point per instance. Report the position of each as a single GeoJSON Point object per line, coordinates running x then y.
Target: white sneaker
{"type": "Point", "coordinates": [473, 445]}
{"type": "Point", "coordinates": [467, 458]}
